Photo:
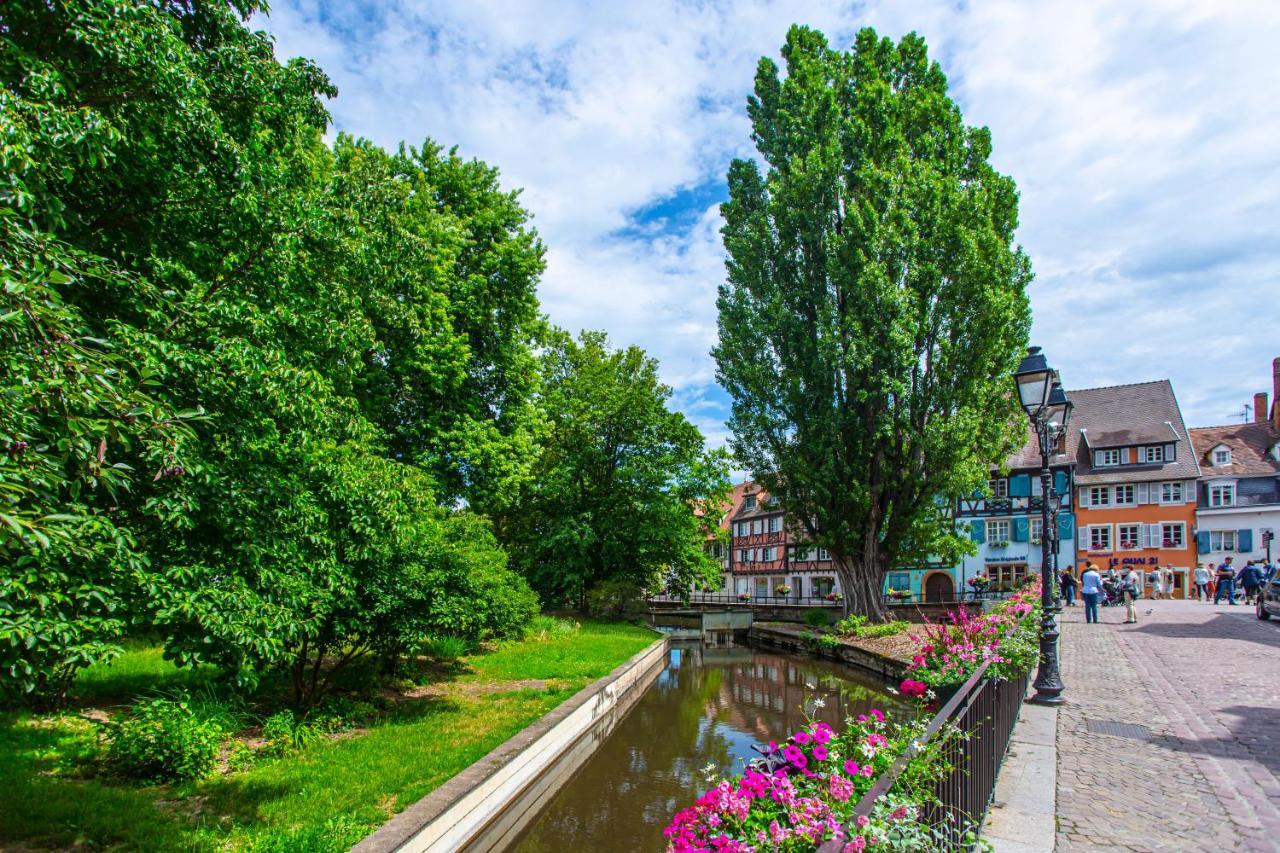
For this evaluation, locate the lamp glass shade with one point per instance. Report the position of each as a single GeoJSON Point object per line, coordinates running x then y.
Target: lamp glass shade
{"type": "Point", "coordinates": [1057, 406]}
{"type": "Point", "coordinates": [1032, 380]}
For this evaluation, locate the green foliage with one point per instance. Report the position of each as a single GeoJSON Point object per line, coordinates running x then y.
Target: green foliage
{"type": "Point", "coordinates": [283, 733]}
{"type": "Point", "coordinates": [544, 627]}
{"type": "Point", "coordinates": [857, 626]}
{"type": "Point", "coordinates": [445, 649]}
{"type": "Point", "coordinates": [828, 641]}
{"type": "Point", "coordinates": [850, 625]}
{"type": "Point", "coordinates": [163, 740]}
{"type": "Point", "coordinates": [615, 599]}
{"type": "Point", "coordinates": [876, 303]}
{"type": "Point", "coordinates": [816, 617]}
{"type": "Point", "coordinates": [613, 451]}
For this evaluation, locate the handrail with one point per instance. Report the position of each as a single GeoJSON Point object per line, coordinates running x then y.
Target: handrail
{"type": "Point", "coordinates": [887, 779]}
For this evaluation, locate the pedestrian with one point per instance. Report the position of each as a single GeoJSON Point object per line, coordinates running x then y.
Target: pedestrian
{"type": "Point", "coordinates": [1166, 581]}
{"type": "Point", "coordinates": [1251, 580]}
{"type": "Point", "coordinates": [1202, 583]}
{"type": "Point", "coordinates": [1130, 590]}
{"type": "Point", "coordinates": [1153, 577]}
{"type": "Point", "coordinates": [1226, 583]}
{"type": "Point", "coordinates": [1213, 580]}
{"type": "Point", "coordinates": [1069, 584]}
{"type": "Point", "coordinates": [1090, 589]}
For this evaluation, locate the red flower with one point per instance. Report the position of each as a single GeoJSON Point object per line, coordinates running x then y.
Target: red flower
{"type": "Point", "coordinates": [909, 687]}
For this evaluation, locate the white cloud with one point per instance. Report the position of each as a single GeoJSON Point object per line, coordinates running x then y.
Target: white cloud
{"type": "Point", "coordinates": [1141, 135]}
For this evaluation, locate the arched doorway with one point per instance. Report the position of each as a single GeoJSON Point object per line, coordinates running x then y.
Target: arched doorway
{"type": "Point", "coordinates": [939, 587]}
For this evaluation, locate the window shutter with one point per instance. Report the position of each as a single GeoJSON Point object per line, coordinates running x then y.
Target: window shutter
{"type": "Point", "coordinates": [1084, 496]}
{"type": "Point", "coordinates": [1066, 527]}
{"type": "Point", "coordinates": [1020, 486]}
{"type": "Point", "coordinates": [1244, 540]}
{"type": "Point", "coordinates": [1021, 529]}
{"type": "Point", "coordinates": [1202, 541]}
{"type": "Point", "coordinates": [1060, 482]}
{"type": "Point", "coordinates": [978, 531]}
{"type": "Point", "coordinates": [1084, 539]}
{"type": "Point", "coordinates": [1144, 493]}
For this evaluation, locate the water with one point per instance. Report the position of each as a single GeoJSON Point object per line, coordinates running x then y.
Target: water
{"type": "Point", "coordinates": [707, 706]}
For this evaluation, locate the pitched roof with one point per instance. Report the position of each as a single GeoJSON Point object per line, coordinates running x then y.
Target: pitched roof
{"type": "Point", "coordinates": [731, 505]}
{"type": "Point", "coordinates": [1120, 415]}
{"type": "Point", "coordinates": [1028, 455]}
{"type": "Point", "coordinates": [1248, 443]}
{"type": "Point", "coordinates": [764, 505]}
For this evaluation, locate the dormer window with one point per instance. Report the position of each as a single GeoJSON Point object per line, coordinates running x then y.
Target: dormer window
{"type": "Point", "coordinates": [1221, 456]}
{"type": "Point", "coordinates": [1151, 455]}
{"type": "Point", "coordinates": [998, 487]}
{"type": "Point", "coordinates": [749, 502]}
{"type": "Point", "coordinates": [1222, 494]}
{"type": "Point", "coordinates": [1106, 458]}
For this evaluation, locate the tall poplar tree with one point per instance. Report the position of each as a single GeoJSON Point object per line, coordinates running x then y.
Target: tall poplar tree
{"type": "Point", "coordinates": [875, 304]}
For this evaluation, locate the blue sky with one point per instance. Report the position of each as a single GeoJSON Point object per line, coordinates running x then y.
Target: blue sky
{"type": "Point", "coordinates": [1143, 137]}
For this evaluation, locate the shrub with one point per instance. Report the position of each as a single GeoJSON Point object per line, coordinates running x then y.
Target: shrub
{"type": "Point", "coordinates": [340, 713]}
{"type": "Point", "coordinates": [817, 618]}
{"type": "Point", "coordinates": [284, 733]}
{"type": "Point", "coordinates": [163, 740]}
{"type": "Point", "coordinates": [445, 649]}
{"type": "Point", "coordinates": [828, 641]}
{"type": "Point", "coordinates": [543, 627]}
{"type": "Point", "coordinates": [851, 624]}
{"type": "Point", "coordinates": [615, 599]}
{"type": "Point", "coordinates": [883, 629]}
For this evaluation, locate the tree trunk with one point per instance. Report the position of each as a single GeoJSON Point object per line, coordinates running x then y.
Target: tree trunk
{"type": "Point", "coordinates": [862, 587]}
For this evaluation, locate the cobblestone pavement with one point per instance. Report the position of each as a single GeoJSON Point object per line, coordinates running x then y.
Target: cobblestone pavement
{"type": "Point", "coordinates": [1204, 681]}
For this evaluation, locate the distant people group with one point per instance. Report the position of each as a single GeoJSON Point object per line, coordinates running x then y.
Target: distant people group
{"type": "Point", "coordinates": [1113, 587]}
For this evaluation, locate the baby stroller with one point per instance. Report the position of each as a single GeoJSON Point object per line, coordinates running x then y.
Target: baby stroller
{"type": "Point", "coordinates": [1112, 594]}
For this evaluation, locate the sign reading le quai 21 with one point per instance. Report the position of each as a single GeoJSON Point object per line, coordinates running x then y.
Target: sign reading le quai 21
{"type": "Point", "coordinates": [1134, 561]}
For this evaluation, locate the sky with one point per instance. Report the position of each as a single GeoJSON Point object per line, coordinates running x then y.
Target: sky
{"type": "Point", "coordinates": [1144, 137]}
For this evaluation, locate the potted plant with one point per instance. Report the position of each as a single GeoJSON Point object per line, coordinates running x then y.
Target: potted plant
{"type": "Point", "coordinates": [782, 589]}
{"type": "Point", "coordinates": [744, 596]}
{"type": "Point", "coordinates": [979, 582]}
{"type": "Point", "coordinates": [1036, 540]}
{"type": "Point", "coordinates": [899, 594]}
{"type": "Point", "coordinates": [835, 596]}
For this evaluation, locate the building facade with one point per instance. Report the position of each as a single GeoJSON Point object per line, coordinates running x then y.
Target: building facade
{"type": "Point", "coordinates": [1136, 481]}
{"type": "Point", "coordinates": [764, 556]}
{"type": "Point", "coordinates": [1238, 496]}
{"type": "Point", "coordinates": [1006, 523]}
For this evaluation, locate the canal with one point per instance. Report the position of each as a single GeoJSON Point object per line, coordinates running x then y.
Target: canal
{"type": "Point", "coordinates": [708, 706]}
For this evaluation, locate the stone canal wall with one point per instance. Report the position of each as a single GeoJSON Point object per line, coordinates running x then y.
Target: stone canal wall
{"type": "Point", "coordinates": [486, 805]}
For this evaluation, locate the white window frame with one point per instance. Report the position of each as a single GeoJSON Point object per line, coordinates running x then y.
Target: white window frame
{"type": "Point", "coordinates": [1167, 490]}
{"type": "Point", "coordinates": [1179, 541]}
{"type": "Point", "coordinates": [749, 502]}
{"type": "Point", "coordinates": [1128, 491]}
{"type": "Point", "coordinates": [1132, 542]}
{"type": "Point", "coordinates": [1107, 458]}
{"type": "Point", "coordinates": [1218, 540]}
{"type": "Point", "coordinates": [1099, 491]}
{"type": "Point", "coordinates": [1221, 456]}
{"type": "Point", "coordinates": [999, 487]}
{"type": "Point", "coordinates": [824, 554]}
{"type": "Point", "coordinates": [1153, 453]}
{"type": "Point", "coordinates": [1036, 528]}
{"type": "Point", "coordinates": [998, 525]}
{"type": "Point", "coordinates": [1094, 543]}
{"type": "Point", "coordinates": [1222, 494]}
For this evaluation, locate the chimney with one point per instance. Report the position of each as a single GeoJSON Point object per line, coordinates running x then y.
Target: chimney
{"type": "Point", "coordinates": [1260, 407]}
{"type": "Point", "coordinates": [1275, 393]}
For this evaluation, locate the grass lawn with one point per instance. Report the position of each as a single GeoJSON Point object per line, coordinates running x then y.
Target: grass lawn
{"type": "Point", "coordinates": [326, 797]}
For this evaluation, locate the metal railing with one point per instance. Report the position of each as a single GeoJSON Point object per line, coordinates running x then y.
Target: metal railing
{"type": "Point", "coordinates": [986, 711]}
{"type": "Point", "coordinates": [822, 601]}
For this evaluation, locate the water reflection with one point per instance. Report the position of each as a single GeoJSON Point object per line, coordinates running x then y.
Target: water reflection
{"type": "Point", "coordinates": [707, 706]}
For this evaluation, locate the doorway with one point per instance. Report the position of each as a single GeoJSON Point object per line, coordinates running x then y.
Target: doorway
{"type": "Point", "coordinates": [939, 587]}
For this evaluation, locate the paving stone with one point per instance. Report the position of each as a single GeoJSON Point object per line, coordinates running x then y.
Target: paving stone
{"type": "Point", "coordinates": [1205, 682]}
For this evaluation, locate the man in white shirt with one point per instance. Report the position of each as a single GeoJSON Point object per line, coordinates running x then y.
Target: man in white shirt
{"type": "Point", "coordinates": [1202, 583]}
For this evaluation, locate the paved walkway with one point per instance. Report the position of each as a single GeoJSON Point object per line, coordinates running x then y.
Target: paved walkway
{"type": "Point", "coordinates": [1194, 763]}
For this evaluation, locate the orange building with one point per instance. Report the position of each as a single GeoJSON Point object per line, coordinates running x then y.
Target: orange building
{"type": "Point", "coordinates": [1136, 474]}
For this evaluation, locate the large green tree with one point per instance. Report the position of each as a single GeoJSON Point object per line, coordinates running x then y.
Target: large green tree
{"type": "Point", "coordinates": [616, 489]}
{"type": "Point", "coordinates": [875, 304]}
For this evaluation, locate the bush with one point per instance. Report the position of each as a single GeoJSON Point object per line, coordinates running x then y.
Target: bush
{"type": "Point", "coordinates": [883, 629]}
{"type": "Point", "coordinates": [284, 733]}
{"type": "Point", "coordinates": [817, 618]}
{"type": "Point", "coordinates": [340, 714]}
{"type": "Point", "coordinates": [163, 740]}
{"type": "Point", "coordinates": [615, 599]}
{"type": "Point", "coordinates": [543, 627]}
{"type": "Point", "coordinates": [850, 625]}
{"type": "Point", "coordinates": [828, 641]}
{"type": "Point", "coordinates": [445, 649]}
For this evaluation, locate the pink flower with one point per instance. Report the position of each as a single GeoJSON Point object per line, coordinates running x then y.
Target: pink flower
{"type": "Point", "coordinates": [909, 687]}
{"type": "Point", "coordinates": [856, 845]}
{"type": "Point", "coordinates": [863, 820]}
{"type": "Point", "coordinates": [802, 738]}
{"type": "Point", "coordinates": [867, 771]}
{"type": "Point", "coordinates": [851, 767]}
{"type": "Point", "coordinates": [819, 753]}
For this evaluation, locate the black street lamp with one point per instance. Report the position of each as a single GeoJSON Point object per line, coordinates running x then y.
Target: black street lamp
{"type": "Point", "coordinates": [1046, 404]}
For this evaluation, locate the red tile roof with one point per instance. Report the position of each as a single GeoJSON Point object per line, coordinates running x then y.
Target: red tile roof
{"type": "Point", "coordinates": [1250, 444]}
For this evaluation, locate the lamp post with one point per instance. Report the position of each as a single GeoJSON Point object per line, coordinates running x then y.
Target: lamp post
{"type": "Point", "coordinates": [1048, 408]}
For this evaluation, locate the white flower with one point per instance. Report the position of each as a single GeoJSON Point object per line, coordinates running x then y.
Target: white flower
{"type": "Point", "coordinates": [809, 685]}
{"type": "Point", "coordinates": [819, 703]}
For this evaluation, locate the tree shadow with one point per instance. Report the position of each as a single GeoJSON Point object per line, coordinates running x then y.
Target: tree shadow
{"type": "Point", "coordinates": [1216, 628]}
{"type": "Point", "coordinates": [1252, 738]}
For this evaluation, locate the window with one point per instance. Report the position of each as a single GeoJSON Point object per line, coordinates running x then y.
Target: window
{"type": "Point", "coordinates": [1152, 454]}
{"type": "Point", "coordinates": [1099, 496]}
{"type": "Point", "coordinates": [824, 554]}
{"type": "Point", "coordinates": [1222, 456]}
{"type": "Point", "coordinates": [821, 587]}
{"type": "Point", "coordinates": [1127, 535]}
{"type": "Point", "coordinates": [998, 530]}
{"type": "Point", "coordinates": [998, 487]}
{"type": "Point", "coordinates": [742, 555]}
{"type": "Point", "coordinates": [1005, 578]}
{"type": "Point", "coordinates": [775, 523]}
{"type": "Point", "coordinates": [749, 502]}
{"type": "Point", "coordinates": [757, 526]}
{"type": "Point", "coordinates": [898, 580]}
{"type": "Point", "coordinates": [1222, 494]}
{"type": "Point", "coordinates": [1222, 540]}
{"type": "Point", "coordinates": [1125, 495]}
{"type": "Point", "coordinates": [1171, 493]}
{"type": "Point", "coordinates": [1100, 537]}
{"type": "Point", "coordinates": [1037, 529]}
{"type": "Point", "coordinates": [1173, 534]}
{"type": "Point", "coordinates": [1104, 458]}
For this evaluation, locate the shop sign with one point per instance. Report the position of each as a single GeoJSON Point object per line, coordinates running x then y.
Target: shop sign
{"type": "Point", "coordinates": [1021, 559]}
{"type": "Point", "coordinates": [1134, 561]}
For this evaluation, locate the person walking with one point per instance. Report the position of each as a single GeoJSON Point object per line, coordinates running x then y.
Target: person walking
{"type": "Point", "coordinates": [1202, 583]}
{"type": "Point", "coordinates": [1090, 590]}
{"type": "Point", "coordinates": [1130, 589]}
{"type": "Point", "coordinates": [1251, 580]}
{"type": "Point", "coordinates": [1213, 580]}
{"type": "Point", "coordinates": [1226, 583]}
{"type": "Point", "coordinates": [1069, 584]}
{"type": "Point", "coordinates": [1153, 578]}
